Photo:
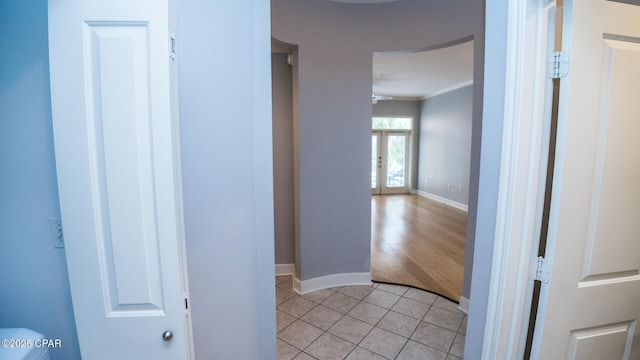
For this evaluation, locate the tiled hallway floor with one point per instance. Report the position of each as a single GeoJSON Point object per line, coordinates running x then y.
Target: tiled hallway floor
{"type": "Point", "coordinates": [367, 323]}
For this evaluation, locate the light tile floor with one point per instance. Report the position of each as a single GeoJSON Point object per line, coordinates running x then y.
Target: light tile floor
{"type": "Point", "coordinates": [375, 322]}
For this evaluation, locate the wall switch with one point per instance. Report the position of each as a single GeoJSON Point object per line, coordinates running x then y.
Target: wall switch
{"type": "Point", "coordinates": [448, 186]}
{"type": "Point", "coordinates": [57, 236]}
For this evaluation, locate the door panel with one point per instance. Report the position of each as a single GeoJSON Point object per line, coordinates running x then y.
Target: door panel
{"type": "Point", "coordinates": [121, 154]}
{"type": "Point", "coordinates": [376, 163]}
{"type": "Point", "coordinates": [590, 305]}
{"type": "Point", "coordinates": [396, 160]}
{"type": "Point", "coordinates": [117, 178]}
{"type": "Point", "coordinates": [613, 224]}
{"type": "Point", "coordinates": [602, 342]}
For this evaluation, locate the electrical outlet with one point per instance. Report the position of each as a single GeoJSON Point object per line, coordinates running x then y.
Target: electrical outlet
{"type": "Point", "coordinates": [57, 236]}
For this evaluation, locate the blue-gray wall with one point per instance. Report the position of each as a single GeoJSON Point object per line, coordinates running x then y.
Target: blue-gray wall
{"type": "Point", "coordinates": [489, 154]}
{"type": "Point", "coordinates": [224, 67]}
{"type": "Point", "coordinates": [34, 287]}
{"type": "Point", "coordinates": [283, 184]}
{"type": "Point", "coordinates": [445, 144]}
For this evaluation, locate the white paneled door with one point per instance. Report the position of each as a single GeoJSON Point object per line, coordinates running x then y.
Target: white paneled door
{"type": "Point", "coordinates": [591, 307]}
{"type": "Point", "coordinates": [116, 157]}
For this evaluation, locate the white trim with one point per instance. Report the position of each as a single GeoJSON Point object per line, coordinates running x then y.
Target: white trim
{"type": "Point", "coordinates": [297, 285]}
{"type": "Point", "coordinates": [329, 281]}
{"type": "Point", "coordinates": [181, 235]}
{"type": "Point", "coordinates": [402, 98]}
{"type": "Point", "coordinates": [285, 269]}
{"type": "Point", "coordinates": [445, 201]}
{"type": "Point", "coordinates": [464, 305]}
{"type": "Point", "coordinates": [449, 89]}
{"type": "Point", "coordinates": [522, 178]}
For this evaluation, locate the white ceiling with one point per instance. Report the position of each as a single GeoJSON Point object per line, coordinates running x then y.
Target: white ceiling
{"type": "Point", "coordinates": [424, 74]}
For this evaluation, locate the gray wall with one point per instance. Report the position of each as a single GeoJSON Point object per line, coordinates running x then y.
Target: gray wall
{"type": "Point", "coordinates": [403, 108]}
{"type": "Point", "coordinates": [476, 144]}
{"type": "Point", "coordinates": [283, 186]}
{"type": "Point", "coordinates": [34, 287]}
{"type": "Point", "coordinates": [445, 144]}
{"type": "Point", "coordinates": [484, 225]}
{"type": "Point", "coordinates": [335, 45]}
{"type": "Point", "coordinates": [225, 115]}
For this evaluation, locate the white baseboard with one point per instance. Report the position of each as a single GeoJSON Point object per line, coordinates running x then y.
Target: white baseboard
{"type": "Point", "coordinates": [464, 305]}
{"type": "Point", "coordinates": [446, 201]}
{"type": "Point", "coordinates": [329, 281]}
{"type": "Point", "coordinates": [297, 286]}
{"type": "Point", "coordinates": [285, 269]}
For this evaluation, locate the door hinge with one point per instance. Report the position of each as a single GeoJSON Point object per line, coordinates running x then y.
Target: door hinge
{"type": "Point", "coordinates": [173, 46]}
{"type": "Point", "coordinates": [558, 65]}
{"type": "Point", "coordinates": [540, 270]}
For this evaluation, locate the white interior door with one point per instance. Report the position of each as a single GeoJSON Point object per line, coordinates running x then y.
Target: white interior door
{"type": "Point", "coordinates": [390, 162]}
{"type": "Point", "coordinates": [116, 159]}
{"type": "Point", "coordinates": [591, 307]}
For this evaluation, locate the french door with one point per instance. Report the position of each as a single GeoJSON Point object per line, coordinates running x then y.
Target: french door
{"type": "Point", "coordinates": [389, 162]}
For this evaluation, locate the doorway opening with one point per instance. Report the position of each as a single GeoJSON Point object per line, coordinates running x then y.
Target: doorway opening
{"type": "Point", "coordinates": [420, 167]}
{"type": "Point", "coordinates": [390, 155]}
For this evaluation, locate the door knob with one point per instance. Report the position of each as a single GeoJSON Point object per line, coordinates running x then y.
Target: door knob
{"type": "Point", "coordinates": [167, 335]}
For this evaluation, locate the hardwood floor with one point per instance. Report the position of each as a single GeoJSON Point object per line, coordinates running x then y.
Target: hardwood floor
{"type": "Point", "coordinates": [418, 242]}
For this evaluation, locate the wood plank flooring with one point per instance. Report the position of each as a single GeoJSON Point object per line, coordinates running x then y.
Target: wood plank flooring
{"type": "Point", "coordinates": [418, 242]}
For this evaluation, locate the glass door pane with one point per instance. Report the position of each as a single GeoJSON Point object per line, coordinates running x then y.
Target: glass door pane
{"type": "Point", "coordinates": [376, 162]}
{"type": "Point", "coordinates": [396, 156]}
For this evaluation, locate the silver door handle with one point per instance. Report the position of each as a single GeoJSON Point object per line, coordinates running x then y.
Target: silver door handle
{"type": "Point", "coordinates": [167, 335]}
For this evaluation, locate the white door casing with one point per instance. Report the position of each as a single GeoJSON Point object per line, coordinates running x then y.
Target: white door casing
{"type": "Point", "coordinates": [525, 123]}
{"type": "Point", "coordinates": [118, 176]}
{"type": "Point", "coordinates": [383, 171]}
{"type": "Point", "coordinates": [591, 306]}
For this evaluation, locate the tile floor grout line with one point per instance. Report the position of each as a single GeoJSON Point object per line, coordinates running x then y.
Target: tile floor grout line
{"type": "Point", "coordinates": [359, 301]}
{"type": "Point", "coordinates": [414, 330]}
{"type": "Point", "coordinates": [382, 317]}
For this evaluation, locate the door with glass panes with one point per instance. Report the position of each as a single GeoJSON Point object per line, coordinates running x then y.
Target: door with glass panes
{"type": "Point", "coordinates": [390, 155]}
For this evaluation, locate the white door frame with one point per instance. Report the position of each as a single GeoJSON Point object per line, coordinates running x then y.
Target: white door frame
{"type": "Point", "coordinates": [522, 177]}
{"type": "Point", "coordinates": [382, 143]}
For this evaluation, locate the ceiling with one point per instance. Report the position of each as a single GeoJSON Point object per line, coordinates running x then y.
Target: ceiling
{"type": "Point", "coordinates": [419, 75]}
